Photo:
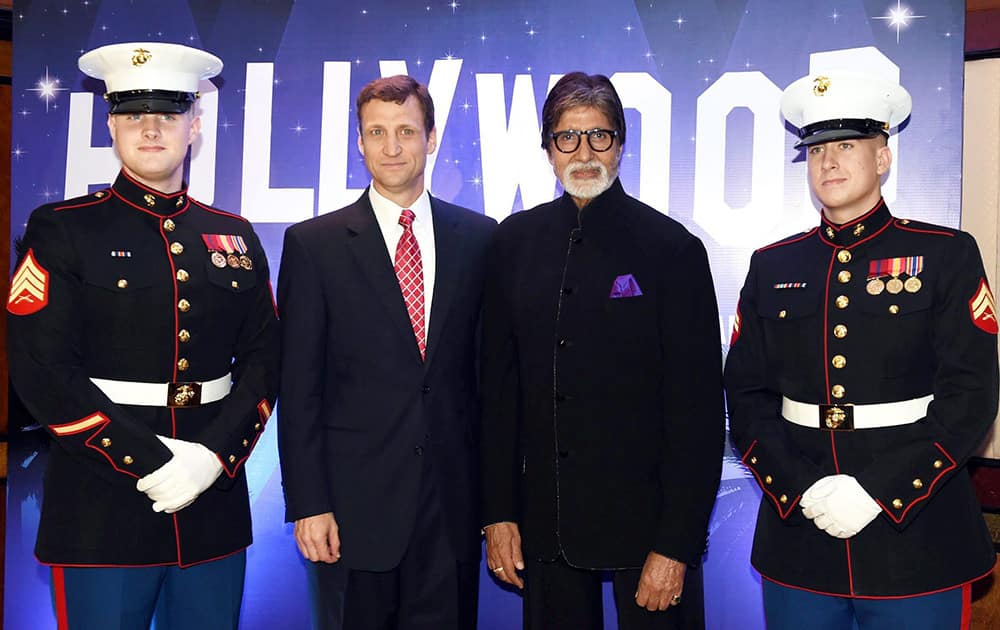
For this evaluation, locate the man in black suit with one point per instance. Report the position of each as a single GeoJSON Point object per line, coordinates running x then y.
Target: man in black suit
{"type": "Point", "coordinates": [603, 423]}
{"type": "Point", "coordinates": [378, 433]}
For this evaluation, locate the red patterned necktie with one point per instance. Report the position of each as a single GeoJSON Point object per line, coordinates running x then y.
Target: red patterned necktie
{"type": "Point", "coordinates": [410, 272]}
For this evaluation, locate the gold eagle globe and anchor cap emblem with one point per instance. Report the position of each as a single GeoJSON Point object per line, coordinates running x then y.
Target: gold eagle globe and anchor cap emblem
{"type": "Point", "coordinates": [140, 56]}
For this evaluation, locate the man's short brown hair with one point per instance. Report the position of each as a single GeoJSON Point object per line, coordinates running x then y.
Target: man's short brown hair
{"type": "Point", "coordinates": [396, 90]}
{"type": "Point", "coordinates": [578, 89]}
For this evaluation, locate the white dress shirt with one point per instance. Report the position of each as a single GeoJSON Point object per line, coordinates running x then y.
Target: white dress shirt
{"type": "Point", "coordinates": [387, 214]}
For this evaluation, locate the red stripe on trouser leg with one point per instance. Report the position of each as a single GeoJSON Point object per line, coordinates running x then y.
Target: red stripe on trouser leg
{"type": "Point", "coordinates": [59, 597]}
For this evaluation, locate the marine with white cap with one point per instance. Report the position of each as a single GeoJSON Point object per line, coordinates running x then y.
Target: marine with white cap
{"type": "Point", "coordinates": [142, 335]}
{"type": "Point", "coordinates": [861, 375]}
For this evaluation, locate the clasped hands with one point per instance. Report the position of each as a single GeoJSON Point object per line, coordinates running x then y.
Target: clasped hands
{"type": "Point", "coordinates": [660, 583]}
{"type": "Point", "coordinates": [176, 484]}
{"type": "Point", "coordinates": [838, 505]}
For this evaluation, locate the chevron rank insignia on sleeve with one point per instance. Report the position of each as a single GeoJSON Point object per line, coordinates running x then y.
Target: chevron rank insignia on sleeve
{"type": "Point", "coordinates": [29, 288]}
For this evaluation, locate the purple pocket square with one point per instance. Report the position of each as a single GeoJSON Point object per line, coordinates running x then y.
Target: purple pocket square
{"type": "Point", "coordinates": [625, 287]}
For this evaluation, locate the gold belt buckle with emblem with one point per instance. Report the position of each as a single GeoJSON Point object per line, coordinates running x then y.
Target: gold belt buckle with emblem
{"type": "Point", "coordinates": [836, 417]}
{"type": "Point", "coordinates": [183, 394]}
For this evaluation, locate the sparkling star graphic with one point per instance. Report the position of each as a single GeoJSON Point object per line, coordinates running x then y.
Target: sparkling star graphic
{"type": "Point", "coordinates": [225, 124]}
{"type": "Point", "coordinates": [24, 112]}
{"type": "Point", "coordinates": [898, 17]}
{"type": "Point", "coordinates": [419, 62]}
{"type": "Point", "coordinates": [476, 181]}
{"type": "Point", "coordinates": [454, 5]}
{"type": "Point", "coordinates": [466, 107]}
{"type": "Point", "coordinates": [17, 152]}
{"type": "Point", "coordinates": [747, 65]}
{"type": "Point", "coordinates": [834, 16]}
{"type": "Point", "coordinates": [298, 128]}
{"type": "Point", "coordinates": [531, 32]}
{"type": "Point", "coordinates": [649, 54]}
{"type": "Point", "coordinates": [629, 28]}
{"type": "Point", "coordinates": [449, 55]}
{"type": "Point", "coordinates": [482, 38]}
{"type": "Point", "coordinates": [679, 21]}
{"type": "Point", "coordinates": [48, 88]}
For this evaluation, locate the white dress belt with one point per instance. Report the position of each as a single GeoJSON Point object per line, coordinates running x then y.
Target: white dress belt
{"type": "Point", "coordinates": [848, 417]}
{"type": "Point", "coordinates": [177, 394]}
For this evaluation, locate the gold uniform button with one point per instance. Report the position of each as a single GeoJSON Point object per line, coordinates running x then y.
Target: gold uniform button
{"type": "Point", "coordinates": [842, 301]}
{"type": "Point", "coordinates": [918, 484]}
{"type": "Point", "coordinates": [768, 480]}
{"type": "Point", "coordinates": [753, 460]}
{"type": "Point", "coordinates": [246, 443]}
{"type": "Point", "coordinates": [236, 284]}
{"type": "Point", "coordinates": [838, 391]}
{"type": "Point", "coordinates": [105, 442]}
{"type": "Point", "coordinates": [782, 314]}
{"type": "Point", "coordinates": [232, 459]}
{"type": "Point", "coordinates": [897, 503]}
{"type": "Point", "coordinates": [99, 194]}
{"type": "Point", "coordinates": [169, 225]}
{"type": "Point", "coordinates": [859, 229]}
{"type": "Point", "coordinates": [128, 460]}
{"type": "Point", "coordinates": [176, 249]}
{"type": "Point", "coordinates": [256, 427]}
{"type": "Point", "coordinates": [783, 498]}
{"type": "Point", "coordinates": [839, 361]}
{"type": "Point", "coordinates": [938, 463]}
{"type": "Point", "coordinates": [182, 364]}
{"type": "Point", "coordinates": [150, 200]}
{"type": "Point", "coordinates": [840, 331]}
{"type": "Point", "coordinates": [184, 336]}
{"type": "Point", "coordinates": [122, 283]}
{"type": "Point", "coordinates": [183, 276]}
{"type": "Point", "coordinates": [844, 256]}
{"type": "Point", "coordinates": [184, 306]}
{"type": "Point", "coordinates": [844, 277]}
{"type": "Point", "coordinates": [894, 309]}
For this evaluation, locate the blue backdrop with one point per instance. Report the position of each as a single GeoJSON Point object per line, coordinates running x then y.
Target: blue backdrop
{"type": "Point", "coordinates": [700, 81]}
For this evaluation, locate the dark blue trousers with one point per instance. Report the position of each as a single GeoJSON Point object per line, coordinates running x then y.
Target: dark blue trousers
{"type": "Point", "coordinates": [206, 596]}
{"type": "Point", "coordinates": [793, 609]}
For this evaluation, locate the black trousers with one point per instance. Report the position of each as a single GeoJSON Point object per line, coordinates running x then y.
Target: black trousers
{"type": "Point", "coordinates": [430, 589]}
{"type": "Point", "coordinates": [560, 597]}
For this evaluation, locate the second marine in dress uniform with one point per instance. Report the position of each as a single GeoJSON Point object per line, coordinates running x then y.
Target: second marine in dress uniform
{"type": "Point", "coordinates": [153, 365]}
{"type": "Point", "coordinates": [861, 376]}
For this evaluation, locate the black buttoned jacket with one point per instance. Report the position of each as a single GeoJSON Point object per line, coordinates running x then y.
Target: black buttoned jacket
{"type": "Point", "coordinates": [114, 311]}
{"type": "Point", "coordinates": [830, 336]}
{"type": "Point", "coordinates": [603, 421]}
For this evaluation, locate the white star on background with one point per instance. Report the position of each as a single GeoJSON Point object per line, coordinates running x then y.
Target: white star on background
{"type": "Point", "coordinates": [454, 5]}
{"type": "Point", "coordinates": [899, 17]}
{"type": "Point", "coordinates": [476, 181]}
{"type": "Point", "coordinates": [466, 107]}
{"type": "Point", "coordinates": [629, 28]}
{"type": "Point", "coordinates": [17, 152]}
{"type": "Point", "coordinates": [679, 21]}
{"type": "Point", "coordinates": [47, 89]}
{"type": "Point", "coordinates": [298, 128]}
{"type": "Point", "coordinates": [834, 16]}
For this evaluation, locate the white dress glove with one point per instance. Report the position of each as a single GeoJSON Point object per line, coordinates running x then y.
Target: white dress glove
{"type": "Point", "coordinates": [176, 484]}
{"type": "Point", "coordinates": [838, 505]}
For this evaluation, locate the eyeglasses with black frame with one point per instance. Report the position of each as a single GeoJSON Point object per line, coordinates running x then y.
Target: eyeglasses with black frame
{"type": "Point", "coordinates": [568, 140]}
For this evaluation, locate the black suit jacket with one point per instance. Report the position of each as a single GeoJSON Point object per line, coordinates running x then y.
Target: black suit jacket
{"type": "Point", "coordinates": [360, 411]}
{"type": "Point", "coordinates": [603, 420]}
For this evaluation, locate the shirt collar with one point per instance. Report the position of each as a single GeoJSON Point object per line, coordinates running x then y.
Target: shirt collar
{"type": "Point", "coordinates": [147, 199]}
{"type": "Point", "coordinates": [388, 211]}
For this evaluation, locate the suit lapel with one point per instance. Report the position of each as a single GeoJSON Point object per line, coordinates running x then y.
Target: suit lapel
{"type": "Point", "coordinates": [367, 244]}
{"type": "Point", "coordinates": [448, 250]}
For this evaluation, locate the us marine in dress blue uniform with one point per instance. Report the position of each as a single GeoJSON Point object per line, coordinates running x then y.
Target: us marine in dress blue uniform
{"type": "Point", "coordinates": [143, 337]}
{"type": "Point", "coordinates": [862, 374]}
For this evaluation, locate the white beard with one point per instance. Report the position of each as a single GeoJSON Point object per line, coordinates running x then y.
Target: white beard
{"type": "Point", "coordinates": [590, 188]}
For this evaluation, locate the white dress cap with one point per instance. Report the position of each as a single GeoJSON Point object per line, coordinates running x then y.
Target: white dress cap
{"type": "Point", "coordinates": [141, 75]}
{"type": "Point", "coordinates": [841, 105]}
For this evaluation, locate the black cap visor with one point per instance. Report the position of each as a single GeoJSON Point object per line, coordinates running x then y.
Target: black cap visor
{"type": "Point", "coordinates": [840, 129]}
{"type": "Point", "coordinates": [149, 102]}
